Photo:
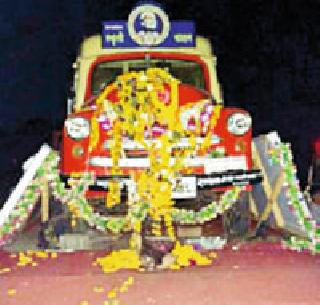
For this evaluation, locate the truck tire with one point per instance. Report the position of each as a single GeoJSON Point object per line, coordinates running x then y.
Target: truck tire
{"type": "Point", "coordinates": [236, 219]}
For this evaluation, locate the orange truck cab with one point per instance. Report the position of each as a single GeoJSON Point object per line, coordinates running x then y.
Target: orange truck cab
{"type": "Point", "coordinates": [149, 39]}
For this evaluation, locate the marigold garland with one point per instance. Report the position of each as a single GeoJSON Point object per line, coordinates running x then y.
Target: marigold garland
{"type": "Point", "coordinates": [141, 105]}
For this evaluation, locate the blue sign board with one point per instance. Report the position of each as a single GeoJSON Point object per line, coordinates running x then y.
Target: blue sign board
{"type": "Point", "coordinates": [148, 26]}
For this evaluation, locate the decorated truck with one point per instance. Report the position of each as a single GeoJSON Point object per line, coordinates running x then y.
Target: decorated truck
{"type": "Point", "coordinates": [140, 84]}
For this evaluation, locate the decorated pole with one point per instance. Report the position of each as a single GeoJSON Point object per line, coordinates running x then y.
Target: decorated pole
{"type": "Point", "coordinates": [23, 183]}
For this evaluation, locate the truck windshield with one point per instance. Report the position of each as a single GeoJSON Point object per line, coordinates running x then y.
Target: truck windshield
{"type": "Point", "coordinates": [188, 72]}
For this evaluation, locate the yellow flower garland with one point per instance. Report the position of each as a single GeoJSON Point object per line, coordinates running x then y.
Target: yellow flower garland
{"type": "Point", "coordinates": [140, 106]}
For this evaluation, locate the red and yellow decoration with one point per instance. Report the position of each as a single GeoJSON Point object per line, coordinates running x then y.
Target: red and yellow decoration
{"type": "Point", "coordinates": [141, 105]}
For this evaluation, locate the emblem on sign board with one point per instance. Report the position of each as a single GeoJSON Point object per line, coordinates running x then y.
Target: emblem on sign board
{"type": "Point", "coordinates": [148, 25]}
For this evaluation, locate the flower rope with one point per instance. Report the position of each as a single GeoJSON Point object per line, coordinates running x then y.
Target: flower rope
{"type": "Point", "coordinates": [210, 211]}
{"type": "Point", "coordinates": [75, 197]}
{"type": "Point", "coordinates": [135, 212]}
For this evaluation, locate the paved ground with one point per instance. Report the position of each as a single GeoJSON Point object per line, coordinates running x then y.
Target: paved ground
{"type": "Point", "coordinates": [257, 273]}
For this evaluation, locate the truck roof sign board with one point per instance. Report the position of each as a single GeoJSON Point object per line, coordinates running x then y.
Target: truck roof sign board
{"type": "Point", "coordinates": [148, 26]}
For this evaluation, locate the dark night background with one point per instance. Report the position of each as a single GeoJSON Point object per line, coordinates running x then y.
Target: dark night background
{"type": "Point", "coordinates": [268, 63]}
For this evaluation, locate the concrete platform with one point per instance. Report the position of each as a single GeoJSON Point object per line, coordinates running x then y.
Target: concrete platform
{"type": "Point", "coordinates": [258, 273]}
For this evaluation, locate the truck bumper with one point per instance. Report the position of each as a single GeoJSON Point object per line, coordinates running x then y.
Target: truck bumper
{"type": "Point", "coordinates": [188, 184]}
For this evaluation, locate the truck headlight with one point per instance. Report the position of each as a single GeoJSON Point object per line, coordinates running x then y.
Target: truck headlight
{"type": "Point", "coordinates": [77, 128]}
{"type": "Point", "coordinates": [239, 123]}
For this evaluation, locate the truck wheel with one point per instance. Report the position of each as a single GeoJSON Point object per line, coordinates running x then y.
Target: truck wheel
{"type": "Point", "coordinates": [236, 219]}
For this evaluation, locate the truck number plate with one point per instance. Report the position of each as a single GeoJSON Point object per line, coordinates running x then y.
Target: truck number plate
{"type": "Point", "coordinates": [182, 187]}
